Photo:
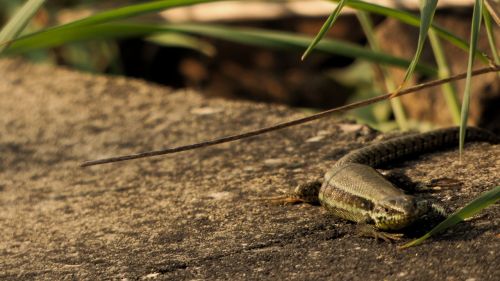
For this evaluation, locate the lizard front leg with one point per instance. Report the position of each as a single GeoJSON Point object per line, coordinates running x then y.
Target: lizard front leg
{"type": "Point", "coordinates": [303, 193]}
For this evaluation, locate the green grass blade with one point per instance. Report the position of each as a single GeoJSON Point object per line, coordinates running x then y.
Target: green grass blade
{"type": "Point", "coordinates": [121, 13]}
{"type": "Point", "coordinates": [291, 41]}
{"type": "Point", "coordinates": [54, 38]}
{"type": "Point", "coordinates": [396, 104]}
{"type": "Point", "coordinates": [449, 91]}
{"type": "Point", "coordinates": [491, 35]}
{"type": "Point", "coordinates": [484, 200]}
{"type": "Point", "coordinates": [427, 9]}
{"type": "Point", "coordinates": [132, 11]}
{"type": "Point", "coordinates": [324, 29]}
{"type": "Point", "coordinates": [476, 24]}
{"type": "Point", "coordinates": [493, 10]}
{"type": "Point", "coordinates": [182, 40]}
{"type": "Point", "coordinates": [255, 37]}
{"type": "Point", "coordinates": [138, 9]}
{"type": "Point", "coordinates": [14, 27]}
{"type": "Point", "coordinates": [414, 20]}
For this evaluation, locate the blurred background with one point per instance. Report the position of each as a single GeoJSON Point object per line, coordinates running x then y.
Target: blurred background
{"type": "Point", "coordinates": [222, 68]}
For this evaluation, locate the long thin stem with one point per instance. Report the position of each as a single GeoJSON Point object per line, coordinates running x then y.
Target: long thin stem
{"type": "Point", "coordinates": [283, 125]}
{"type": "Point", "coordinates": [487, 14]}
{"type": "Point", "coordinates": [450, 94]}
{"type": "Point", "coordinates": [390, 85]}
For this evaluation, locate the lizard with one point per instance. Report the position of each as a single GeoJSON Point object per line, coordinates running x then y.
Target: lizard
{"type": "Point", "coordinates": [354, 190]}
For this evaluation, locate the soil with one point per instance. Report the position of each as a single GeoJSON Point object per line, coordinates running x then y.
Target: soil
{"type": "Point", "coordinates": [193, 215]}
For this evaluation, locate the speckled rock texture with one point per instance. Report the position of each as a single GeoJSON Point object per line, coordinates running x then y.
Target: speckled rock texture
{"type": "Point", "coordinates": [193, 215]}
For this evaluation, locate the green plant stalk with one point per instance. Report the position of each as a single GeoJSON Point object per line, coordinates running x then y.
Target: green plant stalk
{"type": "Point", "coordinates": [472, 208]}
{"type": "Point", "coordinates": [492, 11]}
{"type": "Point", "coordinates": [491, 35]}
{"type": "Point", "coordinates": [131, 11]}
{"type": "Point", "coordinates": [427, 10]}
{"type": "Point", "coordinates": [413, 20]}
{"type": "Point", "coordinates": [324, 29]}
{"type": "Point", "coordinates": [396, 104]}
{"type": "Point", "coordinates": [15, 25]}
{"type": "Point", "coordinates": [154, 6]}
{"type": "Point", "coordinates": [449, 90]}
{"type": "Point", "coordinates": [170, 39]}
{"type": "Point", "coordinates": [475, 28]}
{"type": "Point", "coordinates": [114, 15]}
{"type": "Point", "coordinates": [399, 114]}
{"type": "Point", "coordinates": [255, 37]}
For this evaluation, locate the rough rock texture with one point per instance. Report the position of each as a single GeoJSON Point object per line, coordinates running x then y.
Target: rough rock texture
{"type": "Point", "coordinates": [190, 215]}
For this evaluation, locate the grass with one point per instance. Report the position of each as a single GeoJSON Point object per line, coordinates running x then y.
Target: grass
{"type": "Point", "coordinates": [16, 25]}
{"type": "Point", "coordinates": [471, 209]}
{"type": "Point", "coordinates": [474, 34]}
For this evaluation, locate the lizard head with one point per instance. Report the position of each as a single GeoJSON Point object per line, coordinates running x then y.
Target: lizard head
{"type": "Point", "coordinates": [394, 213]}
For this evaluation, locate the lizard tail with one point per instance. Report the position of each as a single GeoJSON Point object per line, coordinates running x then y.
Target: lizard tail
{"type": "Point", "coordinates": [397, 148]}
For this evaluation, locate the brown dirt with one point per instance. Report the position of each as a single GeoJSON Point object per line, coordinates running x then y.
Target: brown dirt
{"type": "Point", "coordinates": [189, 216]}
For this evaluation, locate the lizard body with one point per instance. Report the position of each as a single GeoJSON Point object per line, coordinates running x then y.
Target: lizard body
{"type": "Point", "coordinates": [353, 190]}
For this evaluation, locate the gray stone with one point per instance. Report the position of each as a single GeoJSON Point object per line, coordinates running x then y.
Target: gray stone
{"type": "Point", "coordinates": [192, 215]}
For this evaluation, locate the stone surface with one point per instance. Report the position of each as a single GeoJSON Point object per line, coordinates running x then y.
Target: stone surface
{"type": "Point", "coordinates": [192, 215]}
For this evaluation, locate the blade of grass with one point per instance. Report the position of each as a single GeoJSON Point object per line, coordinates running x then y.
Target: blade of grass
{"type": "Point", "coordinates": [449, 90]}
{"type": "Point", "coordinates": [14, 27]}
{"type": "Point", "coordinates": [54, 38]}
{"type": "Point", "coordinates": [182, 40]}
{"type": "Point", "coordinates": [286, 40]}
{"type": "Point", "coordinates": [396, 105]}
{"type": "Point", "coordinates": [255, 37]}
{"type": "Point", "coordinates": [493, 10]}
{"type": "Point", "coordinates": [484, 200]}
{"type": "Point", "coordinates": [414, 20]}
{"type": "Point", "coordinates": [324, 29]}
{"type": "Point", "coordinates": [132, 11]}
{"type": "Point", "coordinates": [476, 25]}
{"type": "Point", "coordinates": [427, 10]}
{"type": "Point", "coordinates": [138, 9]}
{"type": "Point", "coordinates": [491, 34]}
{"type": "Point", "coordinates": [120, 14]}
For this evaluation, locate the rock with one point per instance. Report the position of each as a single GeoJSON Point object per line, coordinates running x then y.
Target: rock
{"type": "Point", "coordinates": [191, 215]}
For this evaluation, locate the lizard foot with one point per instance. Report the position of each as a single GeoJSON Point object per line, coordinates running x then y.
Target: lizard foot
{"type": "Point", "coordinates": [366, 230]}
{"type": "Point", "coordinates": [304, 193]}
{"type": "Point", "coordinates": [308, 192]}
{"type": "Point", "coordinates": [281, 199]}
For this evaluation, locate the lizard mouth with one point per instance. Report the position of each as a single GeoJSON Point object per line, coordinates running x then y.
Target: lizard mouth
{"type": "Point", "coordinates": [393, 223]}
{"type": "Point", "coordinates": [403, 212]}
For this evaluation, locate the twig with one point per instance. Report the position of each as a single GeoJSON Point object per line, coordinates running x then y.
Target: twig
{"type": "Point", "coordinates": [283, 125]}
